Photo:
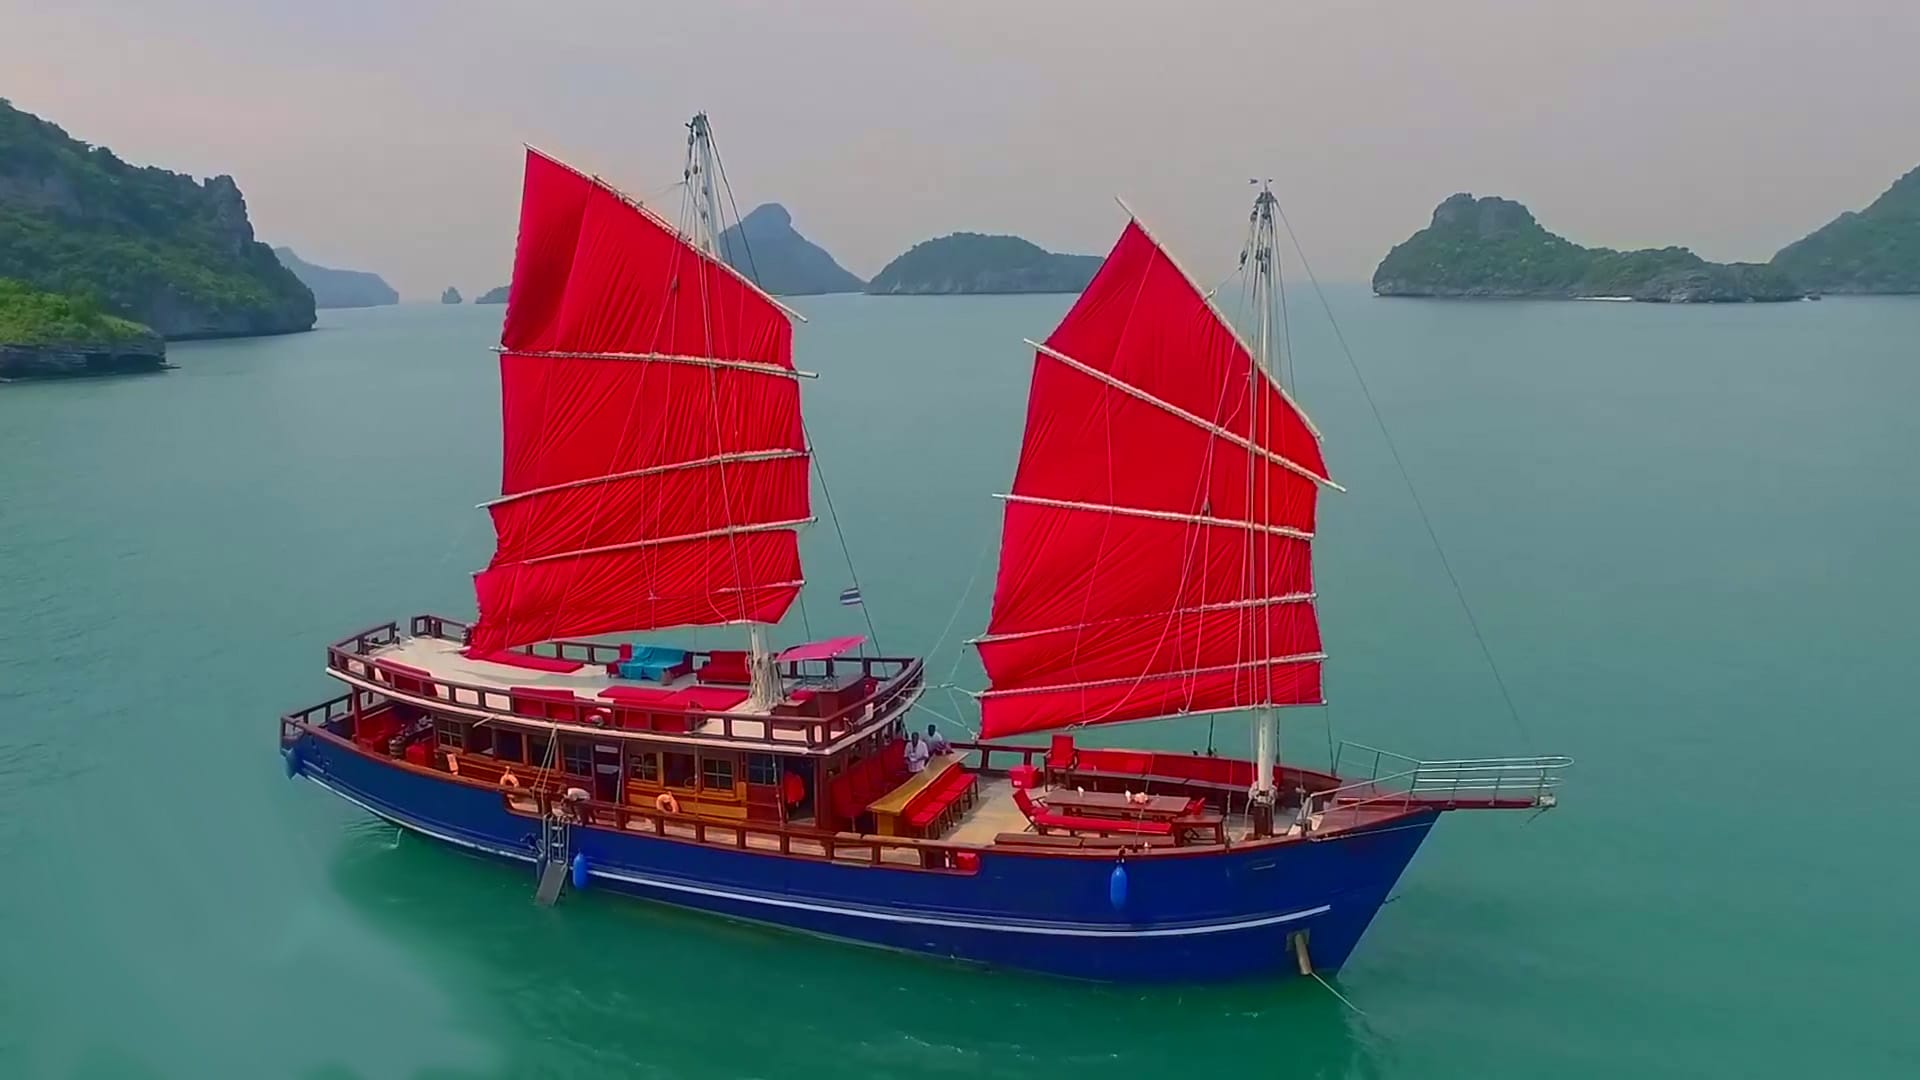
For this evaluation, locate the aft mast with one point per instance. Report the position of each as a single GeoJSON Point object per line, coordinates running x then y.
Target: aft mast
{"type": "Point", "coordinates": [1261, 249]}
{"type": "Point", "coordinates": [764, 688]}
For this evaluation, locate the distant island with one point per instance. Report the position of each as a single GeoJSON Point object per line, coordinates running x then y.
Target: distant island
{"type": "Point", "coordinates": [1876, 250]}
{"type": "Point", "coordinates": [451, 296]}
{"type": "Point", "coordinates": [495, 295]}
{"type": "Point", "coordinates": [1492, 247]}
{"type": "Point", "coordinates": [767, 249]}
{"type": "Point", "coordinates": [138, 243]}
{"type": "Point", "coordinates": [333, 288]}
{"type": "Point", "coordinates": [52, 334]}
{"type": "Point", "coordinates": [977, 263]}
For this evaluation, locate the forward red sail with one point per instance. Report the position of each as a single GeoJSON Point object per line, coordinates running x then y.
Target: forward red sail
{"type": "Point", "coordinates": [1156, 555]}
{"type": "Point", "coordinates": [655, 468]}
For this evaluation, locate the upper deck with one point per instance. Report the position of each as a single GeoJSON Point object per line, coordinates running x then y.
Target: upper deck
{"type": "Point", "coordinates": [825, 703]}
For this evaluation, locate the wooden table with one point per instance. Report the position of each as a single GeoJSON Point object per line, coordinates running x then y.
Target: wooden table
{"type": "Point", "coordinates": [1115, 804]}
{"type": "Point", "coordinates": [887, 808]}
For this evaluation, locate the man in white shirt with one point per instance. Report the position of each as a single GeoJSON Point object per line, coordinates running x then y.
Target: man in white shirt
{"type": "Point", "coordinates": [917, 753]}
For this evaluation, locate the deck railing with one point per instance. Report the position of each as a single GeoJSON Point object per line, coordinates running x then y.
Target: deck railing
{"type": "Point", "coordinates": [897, 680]}
{"type": "Point", "coordinates": [1398, 781]}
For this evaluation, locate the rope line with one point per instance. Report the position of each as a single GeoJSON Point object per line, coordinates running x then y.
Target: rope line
{"type": "Point", "coordinates": [1406, 477]}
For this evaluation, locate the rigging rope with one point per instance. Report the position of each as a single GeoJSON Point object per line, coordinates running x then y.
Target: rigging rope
{"type": "Point", "coordinates": [819, 470]}
{"type": "Point", "coordinates": [1407, 478]}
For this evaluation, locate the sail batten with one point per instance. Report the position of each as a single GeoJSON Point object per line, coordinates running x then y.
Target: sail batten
{"type": "Point", "coordinates": [654, 462]}
{"type": "Point", "coordinates": [1156, 550]}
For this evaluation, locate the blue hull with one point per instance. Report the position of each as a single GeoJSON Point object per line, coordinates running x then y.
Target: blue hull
{"type": "Point", "coordinates": [1205, 916]}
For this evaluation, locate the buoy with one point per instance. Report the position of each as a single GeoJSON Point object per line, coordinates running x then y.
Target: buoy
{"type": "Point", "coordinates": [580, 867]}
{"type": "Point", "coordinates": [666, 803]}
{"type": "Point", "coordinates": [292, 760]}
{"type": "Point", "coordinates": [1117, 888]}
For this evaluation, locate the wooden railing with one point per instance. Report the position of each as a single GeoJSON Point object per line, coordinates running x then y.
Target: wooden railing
{"type": "Point", "coordinates": [897, 678]}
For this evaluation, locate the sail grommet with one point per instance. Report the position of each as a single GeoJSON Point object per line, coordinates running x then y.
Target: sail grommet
{"type": "Point", "coordinates": [1117, 887]}
{"type": "Point", "coordinates": [581, 868]}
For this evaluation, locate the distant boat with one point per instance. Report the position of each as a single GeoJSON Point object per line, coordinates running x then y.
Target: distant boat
{"type": "Point", "coordinates": [1156, 561]}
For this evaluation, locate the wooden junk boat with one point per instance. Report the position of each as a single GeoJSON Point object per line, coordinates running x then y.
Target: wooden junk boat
{"type": "Point", "coordinates": [1156, 561]}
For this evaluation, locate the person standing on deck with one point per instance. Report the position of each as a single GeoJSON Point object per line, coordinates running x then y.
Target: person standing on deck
{"type": "Point", "coordinates": [917, 753]}
{"type": "Point", "coordinates": [937, 743]}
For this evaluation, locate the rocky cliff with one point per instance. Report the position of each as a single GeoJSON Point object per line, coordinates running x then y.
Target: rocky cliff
{"type": "Point", "coordinates": [768, 249]}
{"type": "Point", "coordinates": [451, 296]}
{"type": "Point", "coordinates": [1493, 247]}
{"type": "Point", "coordinates": [46, 334]}
{"type": "Point", "coordinates": [495, 295]}
{"type": "Point", "coordinates": [1876, 250]}
{"type": "Point", "coordinates": [146, 244]}
{"type": "Point", "coordinates": [978, 263]}
{"type": "Point", "coordinates": [333, 288]}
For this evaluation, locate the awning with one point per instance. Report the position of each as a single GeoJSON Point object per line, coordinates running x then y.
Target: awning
{"type": "Point", "coordinates": [822, 650]}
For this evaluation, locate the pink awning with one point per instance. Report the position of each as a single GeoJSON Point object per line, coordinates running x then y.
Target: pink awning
{"type": "Point", "coordinates": [822, 650]}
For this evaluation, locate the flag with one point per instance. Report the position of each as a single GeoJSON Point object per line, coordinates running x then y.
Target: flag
{"type": "Point", "coordinates": [851, 597]}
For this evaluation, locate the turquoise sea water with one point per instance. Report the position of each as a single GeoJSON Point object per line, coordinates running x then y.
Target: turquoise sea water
{"type": "Point", "coordinates": [1688, 534]}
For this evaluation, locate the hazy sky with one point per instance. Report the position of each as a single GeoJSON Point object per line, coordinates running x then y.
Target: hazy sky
{"type": "Point", "coordinates": [385, 134]}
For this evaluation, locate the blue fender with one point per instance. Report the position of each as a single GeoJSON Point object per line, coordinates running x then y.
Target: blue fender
{"type": "Point", "coordinates": [1117, 888]}
{"type": "Point", "coordinates": [580, 868]}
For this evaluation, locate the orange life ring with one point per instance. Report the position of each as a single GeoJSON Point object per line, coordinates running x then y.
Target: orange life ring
{"type": "Point", "coordinates": [666, 803]}
{"type": "Point", "coordinates": [508, 780]}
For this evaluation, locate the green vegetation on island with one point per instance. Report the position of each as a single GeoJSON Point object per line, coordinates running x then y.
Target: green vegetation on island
{"type": "Point", "coordinates": [43, 333]}
{"type": "Point", "coordinates": [333, 288]}
{"type": "Point", "coordinates": [767, 249]}
{"type": "Point", "coordinates": [495, 295]}
{"type": "Point", "coordinates": [1492, 247]}
{"type": "Point", "coordinates": [977, 263]}
{"type": "Point", "coordinates": [144, 243]}
{"type": "Point", "coordinates": [1876, 250]}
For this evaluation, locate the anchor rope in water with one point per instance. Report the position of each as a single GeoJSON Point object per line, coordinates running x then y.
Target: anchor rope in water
{"type": "Point", "coordinates": [1357, 1011]}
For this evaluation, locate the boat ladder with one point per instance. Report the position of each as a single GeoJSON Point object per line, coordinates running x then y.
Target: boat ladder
{"type": "Point", "coordinates": [555, 839]}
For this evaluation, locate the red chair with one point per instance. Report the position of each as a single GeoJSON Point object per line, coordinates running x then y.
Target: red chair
{"type": "Point", "coordinates": [1062, 758]}
{"type": "Point", "coordinates": [724, 666]}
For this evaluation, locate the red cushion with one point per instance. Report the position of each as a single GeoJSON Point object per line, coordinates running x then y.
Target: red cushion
{"type": "Point", "coordinates": [640, 695]}
{"type": "Point", "coordinates": [724, 666]}
{"type": "Point", "coordinates": [712, 698]}
{"type": "Point", "coordinates": [522, 660]}
{"type": "Point", "coordinates": [1111, 825]}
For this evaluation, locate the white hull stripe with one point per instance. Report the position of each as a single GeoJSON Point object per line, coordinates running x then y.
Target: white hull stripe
{"type": "Point", "coordinates": [656, 470]}
{"type": "Point", "coordinates": [1200, 422]}
{"type": "Point", "coordinates": [1159, 515]}
{"type": "Point", "coordinates": [1050, 930]}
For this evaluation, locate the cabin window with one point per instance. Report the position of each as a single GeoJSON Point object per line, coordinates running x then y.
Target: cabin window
{"type": "Point", "coordinates": [679, 770]}
{"type": "Point", "coordinates": [576, 759]}
{"type": "Point", "coordinates": [717, 773]}
{"type": "Point", "coordinates": [450, 734]}
{"type": "Point", "coordinates": [644, 767]}
{"type": "Point", "coordinates": [540, 752]}
{"type": "Point", "coordinates": [509, 746]}
{"type": "Point", "coordinates": [762, 770]}
{"type": "Point", "coordinates": [480, 739]}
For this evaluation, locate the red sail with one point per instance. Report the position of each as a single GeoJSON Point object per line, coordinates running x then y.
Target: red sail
{"type": "Point", "coordinates": [654, 467]}
{"type": "Point", "coordinates": [1156, 554]}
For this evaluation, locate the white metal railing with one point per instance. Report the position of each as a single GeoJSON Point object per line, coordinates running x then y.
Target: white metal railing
{"type": "Point", "coordinates": [1398, 780]}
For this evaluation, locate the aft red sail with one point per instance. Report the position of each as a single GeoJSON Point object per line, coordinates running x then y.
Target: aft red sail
{"type": "Point", "coordinates": [1156, 556]}
{"type": "Point", "coordinates": [655, 468]}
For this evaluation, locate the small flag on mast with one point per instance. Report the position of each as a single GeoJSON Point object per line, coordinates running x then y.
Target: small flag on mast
{"type": "Point", "coordinates": [851, 597]}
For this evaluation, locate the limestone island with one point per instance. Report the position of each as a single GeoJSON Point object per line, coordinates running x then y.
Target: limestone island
{"type": "Point", "coordinates": [769, 250]}
{"type": "Point", "coordinates": [451, 296]}
{"type": "Point", "coordinates": [140, 244]}
{"type": "Point", "coordinates": [333, 288]}
{"type": "Point", "coordinates": [976, 263]}
{"type": "Point", "coordinates": [1492, 247]}
{"type": "Point", "coordinates": [45, 334]}
{"type": "Point", "coordinates": [495, 295]}
{"type": "Point", "coordinates": [1876, 250]}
